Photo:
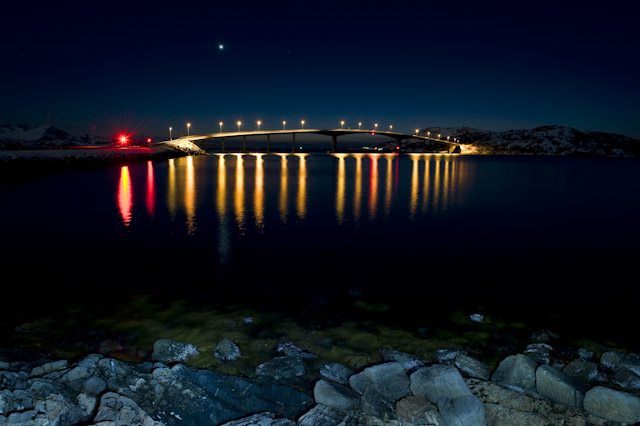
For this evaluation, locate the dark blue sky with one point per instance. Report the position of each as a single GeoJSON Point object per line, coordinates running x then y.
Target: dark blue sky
{"type": "Point", "coordinates": [96, 67]}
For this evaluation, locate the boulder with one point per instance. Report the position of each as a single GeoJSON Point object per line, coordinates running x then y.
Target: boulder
{"type": "Point", "coordinates": [262, 419]}
{"type": "Point", "coordinates": [627, 379]}
{"type": "Point", "coordinates": [170, 351]}
{"type": "Point", "coordinates": [412, 408]}
{"type": "Point", "coordinates": [291, 349]}
{"type": "Point", "coordinates": [389, 379]}
{"type": "Point", "coordinates": [557, 386]}
{"type": "Point", "coordinates": [321, 415]}
{"type": "Point", "coordinates": [463, 411]}
{"type": "Point", "coordinates": [336, 396]}
{"type": "Point", "coordinates": [617, 360]}
{"type": "Point", "coordinates": [612, 405]}
{"type": "Point", "coordinates": [438, 381]}
{"type": "Point", "coordinates": [121, 411]}
{"type": "Point", "coordinates": [584, 371]}
{"type": "Point", "coordinates": [376, 404]}
{"type": "Point", "coordinates": [336, 372]}
{"type": "Point", "coordinates": [284, 367]}
{"type": "Point", "coordinates": [448, 355]}
{"type": "Point", "coordinates": [94, 385]}
{"type": "Point", "coordinates": [48, 368]}
{"type": "Point", "coordinates": [226, 350]}
{"type": "Point", "coordinates": [471, 367]}
{"type": "Point", "coordinates": [408, 361]}
{"type": "Point", "coordinates": [586, 354]}
{"type": "Point", "coordinates": [539, 352]}
{"type": "Point", "coordinates": [518, 371]}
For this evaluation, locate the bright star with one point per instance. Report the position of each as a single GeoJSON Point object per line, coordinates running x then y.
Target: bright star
{"type": "Point", "coordinates": [221, 46]}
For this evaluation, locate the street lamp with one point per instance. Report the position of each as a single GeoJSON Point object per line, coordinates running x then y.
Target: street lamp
{"type": "Point", "coordinates": [259, 123]}
{"type": "Point", "coordinates": [188, 127]}
{"type": "Point", "coordinates": [428, 134]}
{"type": "Point", "coordinates": [170, 137]}
{"type": "Point", "coordinates": [439, 135]}
{"type": "Point", "coordinates": [390, 127]}
{"type": "Point", "coordinates": [342, 125]}
{"type": "Point", "coordinates": [284, 125]}
{"type": "Point", "coordinates": [417, 132]}
{"type": "Point", "coordinates": [447, 137]}
{"type": "Point", "coordinates": [239, 123]}
{"type": "Point", "coordinates": [360, 126]}
{"type": "Point", "coordinates": [376, 126]}
{"type": "Point", "coordinates": [302, 123]}
{"type": "Point", "coordinates": [220, 126]}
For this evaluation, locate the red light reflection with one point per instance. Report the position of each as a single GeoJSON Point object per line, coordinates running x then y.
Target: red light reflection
{"type": "Point", "coordinates": [151, 189]}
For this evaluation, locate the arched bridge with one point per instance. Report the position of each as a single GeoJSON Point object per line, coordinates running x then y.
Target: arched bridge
{"type": "Point", "coordinates": [333, 133]}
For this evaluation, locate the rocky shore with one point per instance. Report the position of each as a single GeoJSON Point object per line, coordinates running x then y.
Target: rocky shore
{"type": "Point", "coordinates": [541, 385]}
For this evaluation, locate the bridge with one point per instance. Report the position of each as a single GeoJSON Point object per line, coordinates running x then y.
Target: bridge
{"type": "Point", "coordinates": [333, 133]}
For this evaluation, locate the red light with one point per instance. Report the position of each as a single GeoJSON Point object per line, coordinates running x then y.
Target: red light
{"type": "Point", "coordinates": [373, 133]}
{"type": "Point", "coordinates": [148, 140]}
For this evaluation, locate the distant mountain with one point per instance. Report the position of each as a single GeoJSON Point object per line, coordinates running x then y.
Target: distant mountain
{"type": "Point", "coordinates": [34, 137]}
{"type": "Point", "coordinates": [545, 140]}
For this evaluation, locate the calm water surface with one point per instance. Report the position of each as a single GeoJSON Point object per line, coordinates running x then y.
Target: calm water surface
{"type": "Point", "coordinates": [420, 233]}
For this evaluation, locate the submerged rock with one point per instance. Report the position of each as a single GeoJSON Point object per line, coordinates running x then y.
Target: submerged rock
{"type": "Point", "coordinates": [170, 351]}
{"type": "Point", "coordinates": [226, 350]}
{"type": "Point", "coordinates": [291, 349]}
{"type": "Point", "coordinates": [284, 367]}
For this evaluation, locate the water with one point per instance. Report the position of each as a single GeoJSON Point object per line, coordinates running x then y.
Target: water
{"type": "Point", "coordinates": [408, 239]}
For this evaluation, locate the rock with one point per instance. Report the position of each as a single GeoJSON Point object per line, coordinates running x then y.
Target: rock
{"type": "Point", "coordinates": [471, 367]}
{"type": "Point", "coordinates": [4, 365]}
{"type": "Point", "coordinates": [87, 403]}
{"type": "Point", "coordinates": [336, 372]}
{"type": "Point", "coordinates": [95, 385]}
{"type": "Point", "coordinates": [557, 386]}
{"type": "Point", "coordinates": [544, 336]}
{"type": "Point", "coordinates": [617, 360]}
{"type": "Point", "coordinates": [60, 411]}
{"type": "Point", "coordinates": [612, 405]}
{"type": "Point", "coordinates": [539, 352]}
{"type": "Point", "coordinates": [409, 362]}
{"type": "Point", "coordinates": [226, 350]}
{"type": "Point", "coordinates": [170, 351]}
{"type": "Point", "coordinates": [48, 368]}
{"type": "Point", "coordinates": [284, 367]}
{"type": "Point", "coordinates": [448, 355]}
{"type": "Point", "coordinates": [584, 371]}
{"type": "Point", "coordinates": [336, 396]}
{"type": "Point", "coordinates": [376, 404]}
{"type": "Point", "coordinates": [389, 379]}
{"type": "Point", "coordinates": [321, 415]}
{"type": "Point", "coordinates": [262, 419]}
{"type": "Point", "coordinates": [412, 408]}
{"type": "Point", "coordinates": [463, 411]}
{"type": "Point", "coordinates": [627, 379]}
{"type": "Point", "coordinates": [517, 370]}
{"type": "Point", "coordinates": [438, 381]}
{"type": "Point", "coordinates": [122, 411]}
{"type": "Point", "coordinates": [586, 354]}
{"type": "Point", "coordinates": [291, 349]}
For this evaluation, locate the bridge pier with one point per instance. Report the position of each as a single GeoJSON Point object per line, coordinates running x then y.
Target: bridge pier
{"type": "Point", "coordinates": [268, 144]}
{"type": "Point", "coordinates": [399, 146]}
{"type": "Point", "coordinates": [334, 143]}
{"type": "Point", "coordinates": [244, 144]}
{"type": "Point", "coordinates": [293, 144]}
{"type": "Point", "coordinates": [222, 149]}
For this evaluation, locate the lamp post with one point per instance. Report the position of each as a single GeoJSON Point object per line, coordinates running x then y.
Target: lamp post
{"type": "Point", "coordinates": [259, 123]}
{"type": "Point", "coordinates": [302, 123]}
{"type": "Point", "coordinates": [239, 123]}
{"type": "Point", "coordinates": [360, 125]}
{"type": "Point", "coordinates": [447, 137]}
{"type": "Point", "coordinates": [170, 137]}
{"type": "Point", "coordinates": [428, 134]}
{"type": "Point", "coordinates": [417, 132]}
{"type": "Point", "coordinates": [375, 126]}
{"type": "Point", "coordinates": [188, 127]}
{"type": "Point", "coordinates": [284, 125]}
{"type": "Point", "coordinates": [220, 123]}
{"type": "Point", "coordinates": [439, 135]}
{"type": "Point", "coordinates": [342, 125]}
{"type": "Point", "coordinates": [390, 127]}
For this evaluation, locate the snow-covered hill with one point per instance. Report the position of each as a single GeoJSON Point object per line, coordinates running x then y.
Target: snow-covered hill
{"type": "Point", "coordinates": [28, 137]}
{"type": "Point", "coordinates": [545, 140]}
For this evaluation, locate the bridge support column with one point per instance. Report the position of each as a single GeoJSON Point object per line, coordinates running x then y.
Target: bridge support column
{"type": "Point", "coordinates": [334, 143]}
{"type": "Point", "coordinates": [399, 146]}
{"type": "Point", "coordinates": [293, 144]}
{"type": "Point", "coordinates": [268, 144]}
{"type": "Point", "coordinates": [244, 144]}
{"type": "Point", "coordinates": [222, 149]}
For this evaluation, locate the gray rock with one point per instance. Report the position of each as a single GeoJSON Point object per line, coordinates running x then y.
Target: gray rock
{"type": "Point", "coordinates": [476, 317]}
{"type": "Point", "coordinates": [389, 379]}
{"type": "Point", "coordinates": [95, 385]}
{"type": "Point", "coordinates": [321, 415]}
{"type": "Point", "coordinates": [408, 361]}
{"type": "Point", "coordinates": [87, 403]}
{"type": "Point", "coordinates": [539, 352]}
{"type": "Point", "coordinates": [48, 368]}
{"type": "Point", "coordinates": [517, 370]}
{"type": "Point", "coordinates": [122, 411]}
{"type": "Point", "coordinates": [284, 367]}
{"type": "Point", "coordinates": [336, 372]}
{"type": "Point", "coordinates": [627, 379]}
{"type": "Point", "coordinates": [448, 355]}
{"type": "Point", "coordinates": [471, 367]}
{"type": "Point", "coordinates": [262, 419]}
{"type": "Point", "coordinates": [376, 404]}
{"type": "Point", "coordinates": [557, 386]}
{"type": "Point", "coordinates": [617, 360]}
{"type": "Point", "coordinates": [412, 408]}
{"type": "Point", "coordinates": [78, 373]}
{"type": "Point", "coordinates": [584, 371]}
{"type": "Point", "coordinates": [336, 396]}
{"type": "Point", "coordinates": [463, 411]}
{"type": "Point", "coordinates": [291, 349]}
{"type": "Point", "coordinates": [612, 405]}
{"type": "Point", "coordinates": [170, 351]}
{"type": "Point", "coordinates": [586, 354]}
{"type": "Point", "coordinates": [226, 350]}
{"type": "Point", "coordinates": [60, 411]}
{"type": "Point", "coordinates": [544, 336]}
{"type": "Point", "coordinates": [4, 365]}
{"type": "Point", "coordinates": [438, 381]}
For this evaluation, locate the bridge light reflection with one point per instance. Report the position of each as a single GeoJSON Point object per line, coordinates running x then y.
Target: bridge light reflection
{"type": "Point", "coordinates": [413, 204]}
{"type": "Point", "coordinates": [302, 186]}
{"type": "Point", "coordinates": [340, 188]}
{"type": "Point", "coordinates": [357, 199]}
{"type": "Point", "coordinates": [125, 196]}
{"type": "Point", "coordinates": [239, 194]}
{"type": "Point", "coordinates": [258, 195]}
{"type": "Point", "coordinates": [373, 185]}
{"type": "Point", "coordinates": [190, 197]}
{"type": "Point", "coordinates": [389, 188]}
{"type": "Point", "coordinates": [224, 239]}
{"type": "Point", "coordinates": [282, 204]}
{"type": "Point", "coordinates": [151, 189]}
{"type": "Point", "coordinates": [171, 189]}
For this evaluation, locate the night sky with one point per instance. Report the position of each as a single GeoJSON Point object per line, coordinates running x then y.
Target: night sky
{"type": "Point", "coordinates": [96, 67]}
